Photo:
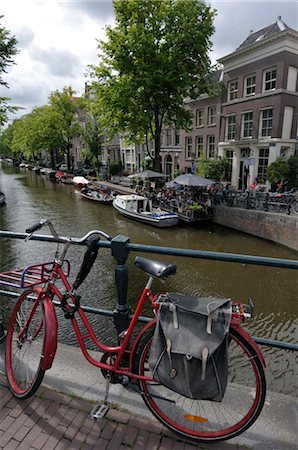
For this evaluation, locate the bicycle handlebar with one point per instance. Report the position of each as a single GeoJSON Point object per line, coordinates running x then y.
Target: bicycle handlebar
{"type": "Point", "coordinates": [42, 223]}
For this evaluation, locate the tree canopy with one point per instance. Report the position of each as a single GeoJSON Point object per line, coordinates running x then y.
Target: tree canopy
{"type": "Point", "coordinates": [7, 51]}
{"type": "Point", "coordinates": [154, 57]}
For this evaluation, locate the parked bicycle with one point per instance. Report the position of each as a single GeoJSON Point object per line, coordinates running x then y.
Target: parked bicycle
{"type": "Point", "coordinates": [31, 344]}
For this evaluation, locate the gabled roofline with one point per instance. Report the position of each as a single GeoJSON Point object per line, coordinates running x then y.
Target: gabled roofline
{"type": "Point", "coordinates": [288, 32]}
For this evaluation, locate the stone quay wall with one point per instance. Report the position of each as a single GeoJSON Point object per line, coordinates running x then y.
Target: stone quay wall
{"type": "Point", "coordinates": [279, 228]}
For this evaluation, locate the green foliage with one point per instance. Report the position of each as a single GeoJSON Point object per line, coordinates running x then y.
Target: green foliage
{"type": "Point", "coordinates": [154, 57]}
{"type": "Point", "coordinates": [93, 142]}
{"type": "Point", "coordinates": [283, 169]}
{"type": "Point", "coordinates": [115, 168]}
{"type": "Point", "coordinates": [48, 128]}
{"type": "Point", "coordinates": [200, 209]}
{"type": "Point", "coordinates": [7, 51]}
{"type": "Point", "coordinates": [212, 169]}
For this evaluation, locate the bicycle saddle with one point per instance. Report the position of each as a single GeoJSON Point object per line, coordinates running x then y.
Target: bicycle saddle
{"type": "Point", "coordinates": [158, 269]}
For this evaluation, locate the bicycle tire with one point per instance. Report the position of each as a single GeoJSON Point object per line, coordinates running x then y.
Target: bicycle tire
{"type": "Point", "coordinates": [25, 343]}
{"type": "Point", "coordinates": [207, 421]}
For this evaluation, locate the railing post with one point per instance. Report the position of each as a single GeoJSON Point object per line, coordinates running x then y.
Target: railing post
{"type": "Point", "coordinates": [120, 253]}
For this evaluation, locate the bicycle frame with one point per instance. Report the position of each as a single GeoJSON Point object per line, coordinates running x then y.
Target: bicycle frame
{"type": "Point", "coordinates": [50, 291]}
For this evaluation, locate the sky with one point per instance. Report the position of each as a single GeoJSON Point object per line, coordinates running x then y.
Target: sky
{"type": "Point", "coordinates": [57, 40]}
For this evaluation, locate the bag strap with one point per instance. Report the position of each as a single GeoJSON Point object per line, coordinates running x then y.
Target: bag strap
{"type": "Point", "coordinates": [88, 261]}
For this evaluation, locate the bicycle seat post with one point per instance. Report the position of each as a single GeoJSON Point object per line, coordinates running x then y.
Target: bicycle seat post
{"type": "Point", "coordinates": [120, 253]}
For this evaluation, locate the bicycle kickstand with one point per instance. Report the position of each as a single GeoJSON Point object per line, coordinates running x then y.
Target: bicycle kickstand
{"type": "Point", "coordinates": [101, 409]}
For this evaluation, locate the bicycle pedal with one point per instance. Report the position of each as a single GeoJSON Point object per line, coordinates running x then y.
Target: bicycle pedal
{"type": "Point", "coordinates": [99, 411]}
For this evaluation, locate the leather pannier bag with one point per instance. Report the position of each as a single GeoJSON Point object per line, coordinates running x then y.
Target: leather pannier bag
{"type": "Point", "coordinates": [190, 343]}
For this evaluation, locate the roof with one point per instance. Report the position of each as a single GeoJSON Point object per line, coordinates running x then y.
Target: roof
{"type": "Point", "coordinates": [268, 31]}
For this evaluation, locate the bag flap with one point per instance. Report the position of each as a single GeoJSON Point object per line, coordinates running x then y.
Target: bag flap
{"type": "Point", "coordinates": [187, 324]}
{"type": "Point", "coordinates": [198, 305]}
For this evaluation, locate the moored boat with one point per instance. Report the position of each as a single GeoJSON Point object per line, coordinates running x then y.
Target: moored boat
{"type": "Point", "coordinates": [97, 196]}
{"type": "Point", "coordinates": [140, 208]}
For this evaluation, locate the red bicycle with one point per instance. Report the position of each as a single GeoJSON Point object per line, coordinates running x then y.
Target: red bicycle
{"type": "Point", "coordinates": [31, 344]}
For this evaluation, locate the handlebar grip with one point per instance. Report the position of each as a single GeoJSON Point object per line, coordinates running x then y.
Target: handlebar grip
{"type": "Point", "coordinates": [35, 227]}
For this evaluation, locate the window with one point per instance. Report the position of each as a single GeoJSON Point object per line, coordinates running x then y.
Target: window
{"type": "Point", "coordinates": [199, 117]}
{"type": "Point", "coordinates": [245, 152]}
{"type": "Point", "coordinates": [246, 125]}
{"type": "Point", "coordinates": [269, 80]}
{"type": "Point", "coordinates": [233, 90]}
{"type": "Point", "coordinates": [228, 171]}
{"type": "Point", "coordinates": [266, 122]}
{"type": "Point", "coordinates": [230, 127]}
{"type": "Point", "coordinates": [199, 146]}
{"type": "Point", "coordinates": [250, 85]}
{"type": "Point", "coordinates": [263, 163]}
{"type": "Point", "coordinates": [168, 136]}
{"type": "Point", "coordinates": [211, 146]}
{"type": "Point", "coordinates": [212, 115]}
{"type": "Point", "coordinates": [188, 147]}
{"type": "Point", "coordinates": [177, 136]}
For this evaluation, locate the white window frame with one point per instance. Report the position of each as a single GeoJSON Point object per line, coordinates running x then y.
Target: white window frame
{"type": "Point", "coordinates": [250, 86]}
{"type": "Point", "coordinates": [177, 136]}
{"type": "Point", "coordinates": [263, 161]}
{"type": "Point", "coordinates": [266, 123]}
{"type": "Point", "coordinates": [212, 115]}
{"type": "Point", "coordinates": [270, 84]}
{"type": "Point", "coordinates": [199, 146]}
{"type": "Point", "coordinates": [233, 90]}
{"type": "Point", "coordinates": [230, 131]}
{"type": "Point", "coordinates": [199, 117]}
{"type": "Point", "coordinates": [211, 146]}
{"type": "Point", "coordinates": [188, 147]}
{"type": "Point", "coordinates": [249, 127]}
{"type": "Point", "coordinates": [168, 137]}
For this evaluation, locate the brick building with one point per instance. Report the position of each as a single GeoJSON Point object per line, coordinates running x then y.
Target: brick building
{"type": "Point", "coordinates": [255, 120]}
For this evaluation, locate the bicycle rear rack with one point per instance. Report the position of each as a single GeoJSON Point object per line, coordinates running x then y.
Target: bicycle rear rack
{"type": "Point", "coordinates": [30, 276]}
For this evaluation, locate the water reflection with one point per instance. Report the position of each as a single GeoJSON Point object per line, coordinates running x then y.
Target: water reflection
{"type": "Point", "coordinates": [31, 197]}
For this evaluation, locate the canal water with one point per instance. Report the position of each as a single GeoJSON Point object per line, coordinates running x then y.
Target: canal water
{"type": "Point", "coordinates": [32, 197]}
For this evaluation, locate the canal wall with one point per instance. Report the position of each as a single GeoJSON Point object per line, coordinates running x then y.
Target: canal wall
{"type": "Point", "coordinates": [279, 228]}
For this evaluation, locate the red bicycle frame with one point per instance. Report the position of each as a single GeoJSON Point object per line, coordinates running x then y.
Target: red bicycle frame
{"type": "Point", "coordinates": [47, 294]}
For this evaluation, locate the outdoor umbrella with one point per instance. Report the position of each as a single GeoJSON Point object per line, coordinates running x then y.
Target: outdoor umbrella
{"type": "Point", "coordinates": [189, 179]}
{"type": "Point", "coordinates": [147, 174]}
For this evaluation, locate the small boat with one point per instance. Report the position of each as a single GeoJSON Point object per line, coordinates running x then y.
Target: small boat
{"type": "Point", "coordinates": [140, 208]}
{"type": "Point", "coordinates": [80, 181]}
{"type": "Point", "coordinates": [2, 199]}
{"type": "Point", "coordinates": [97, 196]}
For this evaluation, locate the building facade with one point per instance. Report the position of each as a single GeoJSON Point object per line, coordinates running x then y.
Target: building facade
{"type": "Point", "coordinates": [254, 121]}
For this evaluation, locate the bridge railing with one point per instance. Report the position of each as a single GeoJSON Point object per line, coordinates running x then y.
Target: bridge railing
{"type": "Point", "coordinates": [121, 247]}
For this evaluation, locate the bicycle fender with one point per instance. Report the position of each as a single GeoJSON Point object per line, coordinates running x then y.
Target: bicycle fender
{"type": "Point", "coordinates": [51, 334]}
{"type": "Point", "coordinates": [252, 342]}
{"type": "Point", "coordinates": [138, 339]}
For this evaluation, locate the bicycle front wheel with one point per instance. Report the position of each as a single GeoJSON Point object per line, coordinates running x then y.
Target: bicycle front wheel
{"type": "Point", "coordinates": [25, 342]}
{"type": "Point", "coordinates": [203, 420]}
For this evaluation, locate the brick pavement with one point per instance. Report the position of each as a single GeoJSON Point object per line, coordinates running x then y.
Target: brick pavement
{"type": "Point", "coordinates": [52, 420]}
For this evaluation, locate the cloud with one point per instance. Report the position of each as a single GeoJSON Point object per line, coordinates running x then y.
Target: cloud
{"type": "Point", "coordinates": [24, 36]}
{"type": "Point", "coordinates": [58, 62]}
{"type": "Point", "coordinates": [101, 11]}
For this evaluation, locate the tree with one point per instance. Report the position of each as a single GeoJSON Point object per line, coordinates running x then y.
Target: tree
{"type": "Point", "coordinates": [93, 142]}
{"type": "Point", "coordinates": [67, 107]}
{"type": "Point", "coordinates": [154, 57]}
{"type": "Point", "coordinates": [213, 169]}
{"type": "Point", "coordinates": [286, 170]}
{"type": "Point", "coordinates": [7, 51]}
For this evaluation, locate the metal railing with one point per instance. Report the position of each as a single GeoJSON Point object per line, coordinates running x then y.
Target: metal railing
{"type": "Point", "coordinates": [121, 247]}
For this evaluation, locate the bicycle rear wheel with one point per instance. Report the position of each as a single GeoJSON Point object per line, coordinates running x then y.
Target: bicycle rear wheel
{"type": "Point", "coordinates": [203, 420]}
{"type": "Point", "coordinates": [25, 342]}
